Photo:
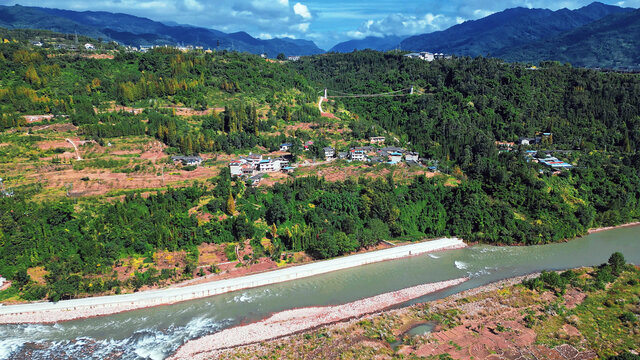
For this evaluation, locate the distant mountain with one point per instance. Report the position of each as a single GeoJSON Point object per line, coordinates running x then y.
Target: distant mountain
{"type": "Point", "coordinates": [370, 42]}
{"type": "Point", "coordinates": [506, 29]}
{"type": "Point", "coordinates": [612, 42]}
{"type": "Point", "coordinates": [137, 31]}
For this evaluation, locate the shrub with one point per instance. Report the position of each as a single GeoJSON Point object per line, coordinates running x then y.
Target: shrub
{"type": "Point", "coordinates": [34, 292]}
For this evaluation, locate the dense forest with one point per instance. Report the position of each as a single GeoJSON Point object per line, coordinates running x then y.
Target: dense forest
{"type": "Point", "coordinates": [468, 105]}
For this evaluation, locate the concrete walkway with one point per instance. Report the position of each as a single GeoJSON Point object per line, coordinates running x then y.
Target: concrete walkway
{"type": "Point", "coordinates": [48, 312]}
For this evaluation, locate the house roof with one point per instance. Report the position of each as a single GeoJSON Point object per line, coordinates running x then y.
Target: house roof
{"type": "Point", "coordinates": [186, 158]}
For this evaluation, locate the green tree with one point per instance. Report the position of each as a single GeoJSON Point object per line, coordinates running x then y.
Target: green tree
{"type": "Point", "coordinates": [617, 263]}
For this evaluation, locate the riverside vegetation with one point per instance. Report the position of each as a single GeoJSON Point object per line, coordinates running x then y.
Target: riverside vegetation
{"type": "Point", "coordinates": [496, 198]}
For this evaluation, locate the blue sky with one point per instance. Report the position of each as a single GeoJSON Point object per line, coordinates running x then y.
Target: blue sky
{"type": "Point", "coordinates": [326, 22]}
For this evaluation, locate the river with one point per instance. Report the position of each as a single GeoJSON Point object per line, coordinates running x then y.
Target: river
{"type": "Point", "coordinates": [155, 333]}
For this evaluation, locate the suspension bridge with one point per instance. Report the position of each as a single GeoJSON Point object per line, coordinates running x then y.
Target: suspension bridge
{"type": "Point", "coordinates": [402, 92]}
{"type": "Point", "coordinates": [338, 94]}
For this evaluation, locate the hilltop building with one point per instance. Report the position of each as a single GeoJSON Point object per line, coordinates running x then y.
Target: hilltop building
{"type": "Point", "coordinates": [376, 140]}
{"type": "Point", "coordinates": [188, 160]}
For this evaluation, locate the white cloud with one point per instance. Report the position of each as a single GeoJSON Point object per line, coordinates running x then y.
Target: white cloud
{"type": "Point", "coordinates": [304, 27]}
{"type": "Point", "coordinates": [480, 13]}
{"type": "Point", "coordinates": [402, 24]}
{"type": "Point", "coordinates": [302, 10]}
{"type": "Point", "coordinates": [193, 5]}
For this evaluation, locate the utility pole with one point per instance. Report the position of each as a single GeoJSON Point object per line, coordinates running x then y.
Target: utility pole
{"type": "Point", "coordinates": [325, 94]}
{"type": "Point", "coordinates": [412, 90]}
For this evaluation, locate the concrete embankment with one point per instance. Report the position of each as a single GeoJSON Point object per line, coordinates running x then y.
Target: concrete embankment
{"type": "Point", "coordinates": [106, 305]}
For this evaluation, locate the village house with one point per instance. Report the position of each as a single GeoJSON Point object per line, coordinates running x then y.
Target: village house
{"type": "Point", "coordinates": [376, 140]}
{"type": "Point", "coordinates": [329, 152]}
{"type": "Point", "coordinates": [412, 156]}
{"type": "Point", "coordinates": [308, 144]}
{"type": "Point", "coordinates": [248, 170]}
{"type": "Point", "coordinates": [395, 157]}
{"type": "Point", "coordinates": [427, 56]}
{"type": "Point", "coordinates": [254, 159]}
{"type": "Point", "coordinates": [386, 151]}
{"type": "Point", "coordinates": [188, 160]}
{"type": "Point", "coordinates": [89, 46]}
{"type": "Point", "coordinates": [555, 163]}
{"type": "Point", "coordinates": [283, 161]}
{"type": "Point", "coordinates": [293, 58]}
{"type": "Point", "coordinates": [269, 165]}
{"type": "Point", "coordinates": [255, 180]}
{"type": "Point", "coordinates": [36, 43]}
{"type": "Point", "coordinates": [530, 141]}
{"type": "Point", "coordinates": [357, 155]}
{"type": "Point", "coordinates": [235, 167]}
{"type": "Point", "coordinates": [285, 147]}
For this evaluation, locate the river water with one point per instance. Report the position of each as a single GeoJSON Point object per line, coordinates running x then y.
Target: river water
{"type": "Point", "coordinates": [155, 333]}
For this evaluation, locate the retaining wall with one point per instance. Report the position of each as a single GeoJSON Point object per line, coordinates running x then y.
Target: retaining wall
{"type": "Point", "coordinates": [103, 305]}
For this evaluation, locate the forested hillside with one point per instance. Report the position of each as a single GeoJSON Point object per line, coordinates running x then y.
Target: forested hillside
{"type": "Point", "coordinates": [460, 108]}
{"type": "Point", "coordinates": [610, 43]}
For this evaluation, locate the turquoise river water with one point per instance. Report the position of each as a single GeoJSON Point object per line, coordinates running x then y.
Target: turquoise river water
{"type": "Point", "coordinates": [155, 333]}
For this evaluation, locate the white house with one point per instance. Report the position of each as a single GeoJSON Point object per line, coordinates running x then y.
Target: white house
{"type": "Point", "coordinates": [412, 156]}
{"type": "Point", "coordinates": [88, 46]}
{"type": "Point", "coordinates": [269, 165]}
{"type": "Point", "coordinates": [329, 152]}
{"type": "Point", "coordinates": [254, 159]}
{"type": "Point", "coordinates": [427, 56]}
{"type": "Point", "coordinates": [188, 160]}
{"type": "Point", "coordinates": [395, 157]}
{"type": "Point", "coordinates": [283, 162]}
{"type": "Point", "coordinates": [357, 155]}
{"type": "Point", "coordinates": [285, 147]}
{"type": "Point", "coordinates": [235, 167]}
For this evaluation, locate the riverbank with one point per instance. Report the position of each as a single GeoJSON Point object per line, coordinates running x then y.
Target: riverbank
{"type": "Point", "coordinates": [500, 319]}
{"type": "Point", "coordinates": [297, 320]}
{"type": "Point", "coordinates": [107, 305]}
{"type": "Point", "coordinates": [264, 338]}
{"type": "Point", "coordinates": [596, 230]}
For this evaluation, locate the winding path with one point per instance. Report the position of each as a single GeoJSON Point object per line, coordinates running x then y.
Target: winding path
{"type": "Point", "coordinates": [322, 113]}
{"type": "Point", "coordinates": [75, 147]}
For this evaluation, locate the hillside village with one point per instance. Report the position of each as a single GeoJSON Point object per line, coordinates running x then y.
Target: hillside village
{"type": "Point", "coordinates": [254, 166]}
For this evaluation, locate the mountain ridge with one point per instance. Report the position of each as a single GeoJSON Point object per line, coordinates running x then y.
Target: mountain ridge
{"type": "Point", "coordinates": [370, 42]}
{"type": "Point", "coordinates": [136, 31]}
{"type": "Point", "coordinates": [509, 28]}
{"type": "Point", "coordinates": [610, 42]}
